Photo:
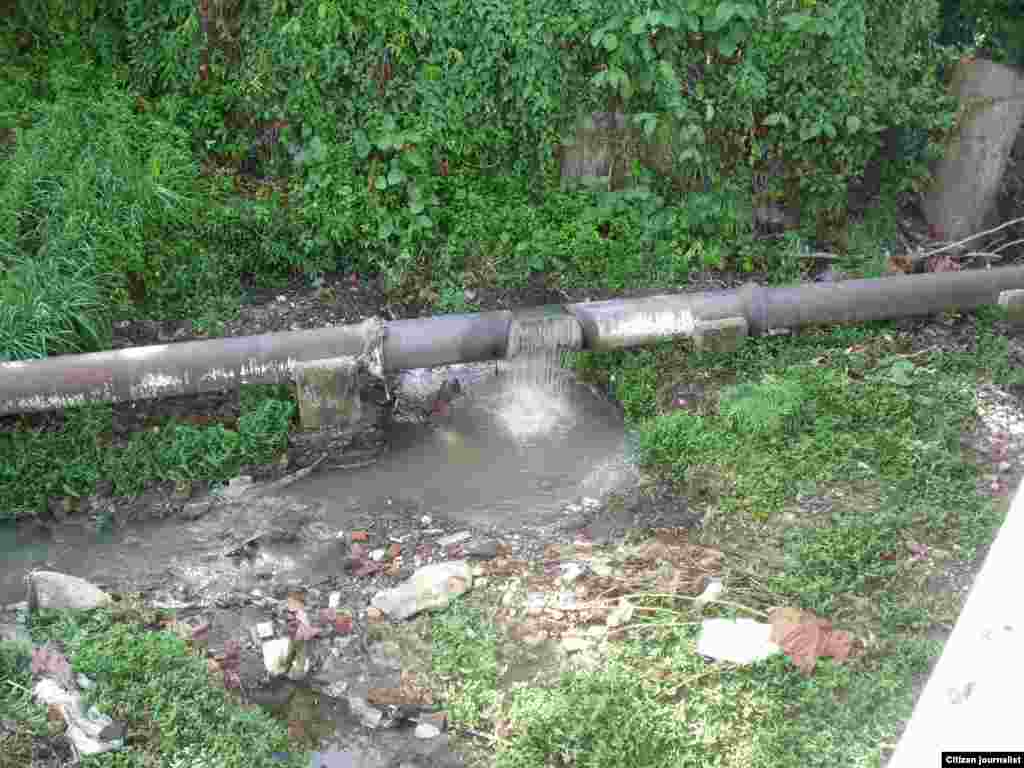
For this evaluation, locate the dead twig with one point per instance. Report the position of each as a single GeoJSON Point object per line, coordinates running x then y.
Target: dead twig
{"type": "Point", "coordinates": [958, 243]}
{"type": "Point", "coordinates": [696, 600]}
{"type": "Point", "coordinates": [354, 465]}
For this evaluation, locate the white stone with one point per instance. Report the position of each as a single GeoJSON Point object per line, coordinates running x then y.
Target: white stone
{"type": "Point", "coordinates": [427, 731]}
{"type": "Point", "coordinates": [334, 600]}
{"type": "Point", "coordinates": [377, 555]}
{"type": "Point", "coordinates": [431, 587]}
{"type": "Point", "coordinates": [574, 644]}
{"type": "Point", "coordinates": [571, 572]}
{"type": "Point", "coordinates": [51, 590]}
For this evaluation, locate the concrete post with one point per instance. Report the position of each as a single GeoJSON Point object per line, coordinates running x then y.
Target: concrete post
{"type": "Point", "coordinates": [967, 180]}
{"type": "Point", "coordinates": [723, 335]}
{"type": "Point", "coordinates": [328, 392]}
{"type": "Point", "coordinates": [1013, 302]}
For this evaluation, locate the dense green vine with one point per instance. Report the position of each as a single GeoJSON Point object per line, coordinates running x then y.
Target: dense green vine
{"type": "Point", "coordinates": [399, 117]}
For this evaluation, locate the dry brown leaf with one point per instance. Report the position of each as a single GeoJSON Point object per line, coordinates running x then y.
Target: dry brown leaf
{"type": "Point", "coordinates": [804, 638]}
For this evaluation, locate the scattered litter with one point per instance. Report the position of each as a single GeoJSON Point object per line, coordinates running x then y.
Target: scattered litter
{"type": "Point", "coordinates": [742, 641]}
{"type": "Point", "coordinates": [91, 732]}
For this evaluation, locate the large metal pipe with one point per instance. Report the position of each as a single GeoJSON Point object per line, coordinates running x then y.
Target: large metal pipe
{"type": "Point", "coordinates": [200, 366]}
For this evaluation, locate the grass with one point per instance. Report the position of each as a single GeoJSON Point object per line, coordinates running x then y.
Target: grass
{"type": "Point", "coordinates": [70, 460]}
{"type": "Point", "coordinates": [845, 416]}
{"type": "Point", "coordinates": [150, 679]}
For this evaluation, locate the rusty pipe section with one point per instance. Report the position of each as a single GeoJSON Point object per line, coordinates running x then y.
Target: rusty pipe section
{"type": "Point", "coordinates": [201, 366]}
{"type": "Point", "coordinates": [621, 323]}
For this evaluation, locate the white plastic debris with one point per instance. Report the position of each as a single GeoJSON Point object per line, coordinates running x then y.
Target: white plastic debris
{"type": "Point", "coordinates": [265, 630]}
{"type": "Point", "coordinates": [743, 641]}
{"type": "Point", "coordinates": [85, 729]}
{"type": "Point", "coordinates": [710, 593]}
{"type": "Point", "coordinates": [275, 655]}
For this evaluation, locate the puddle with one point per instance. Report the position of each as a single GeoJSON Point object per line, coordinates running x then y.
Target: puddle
{"type": "Point", "coordinates": [513, 449]}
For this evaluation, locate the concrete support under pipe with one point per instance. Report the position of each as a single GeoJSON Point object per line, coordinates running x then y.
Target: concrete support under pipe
{"type": "Point", "coordinates": [201, 366]}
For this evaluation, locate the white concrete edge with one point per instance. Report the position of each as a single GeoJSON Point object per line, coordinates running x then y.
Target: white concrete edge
{"type": "Point", "coordinates": [972, 699]}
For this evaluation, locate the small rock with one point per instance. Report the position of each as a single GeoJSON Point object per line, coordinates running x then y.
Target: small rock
{"type": "Point", "coordinates": [432, 586]}
{"type": "Point", "coordinates": [426, 520]}
{"type": "Point", "coordinates": [334, 600]}
{"type": "Point", "coordinates": [571, 572]}
{"type": "Point", "coordinates": [621, 614]}
{"type": "Point", "coordinates": [51, 590]}
{"type": "Point", "coordinates": [535, 603]}
{"type": "Point", "coordinates": [574, 644]}
{"type": "Point", "coordinates": [370, 716]}
{"type": "Point", "coordinates": [483, 550]}
{"type": "Point", "coordinates": [337, 689]}
{"type": "Point", "coordinates": [427, 731]}
{"type": "Point", "coordinates": [455, 538]}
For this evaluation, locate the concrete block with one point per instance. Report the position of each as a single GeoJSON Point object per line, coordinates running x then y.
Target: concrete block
{"type": "Point", "coordinates": [1013, 302]}
{"type": "Point", "coordinates": [328, 392]}
{"type": "Point", "coordinates": [723, 335]}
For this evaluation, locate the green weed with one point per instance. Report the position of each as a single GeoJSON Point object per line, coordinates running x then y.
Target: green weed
{"type": "Point", "coordinates": [151, 680]}
{"type": "Point", "coordinates": [38, 465]}
{"type": "Point", "coordinates": [465, 660]}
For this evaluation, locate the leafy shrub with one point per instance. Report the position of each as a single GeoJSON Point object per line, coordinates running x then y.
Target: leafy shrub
{"type": "Point", "coordinates": [403, 116]}
{"type": "Point", "coordinates": [69, 461]}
